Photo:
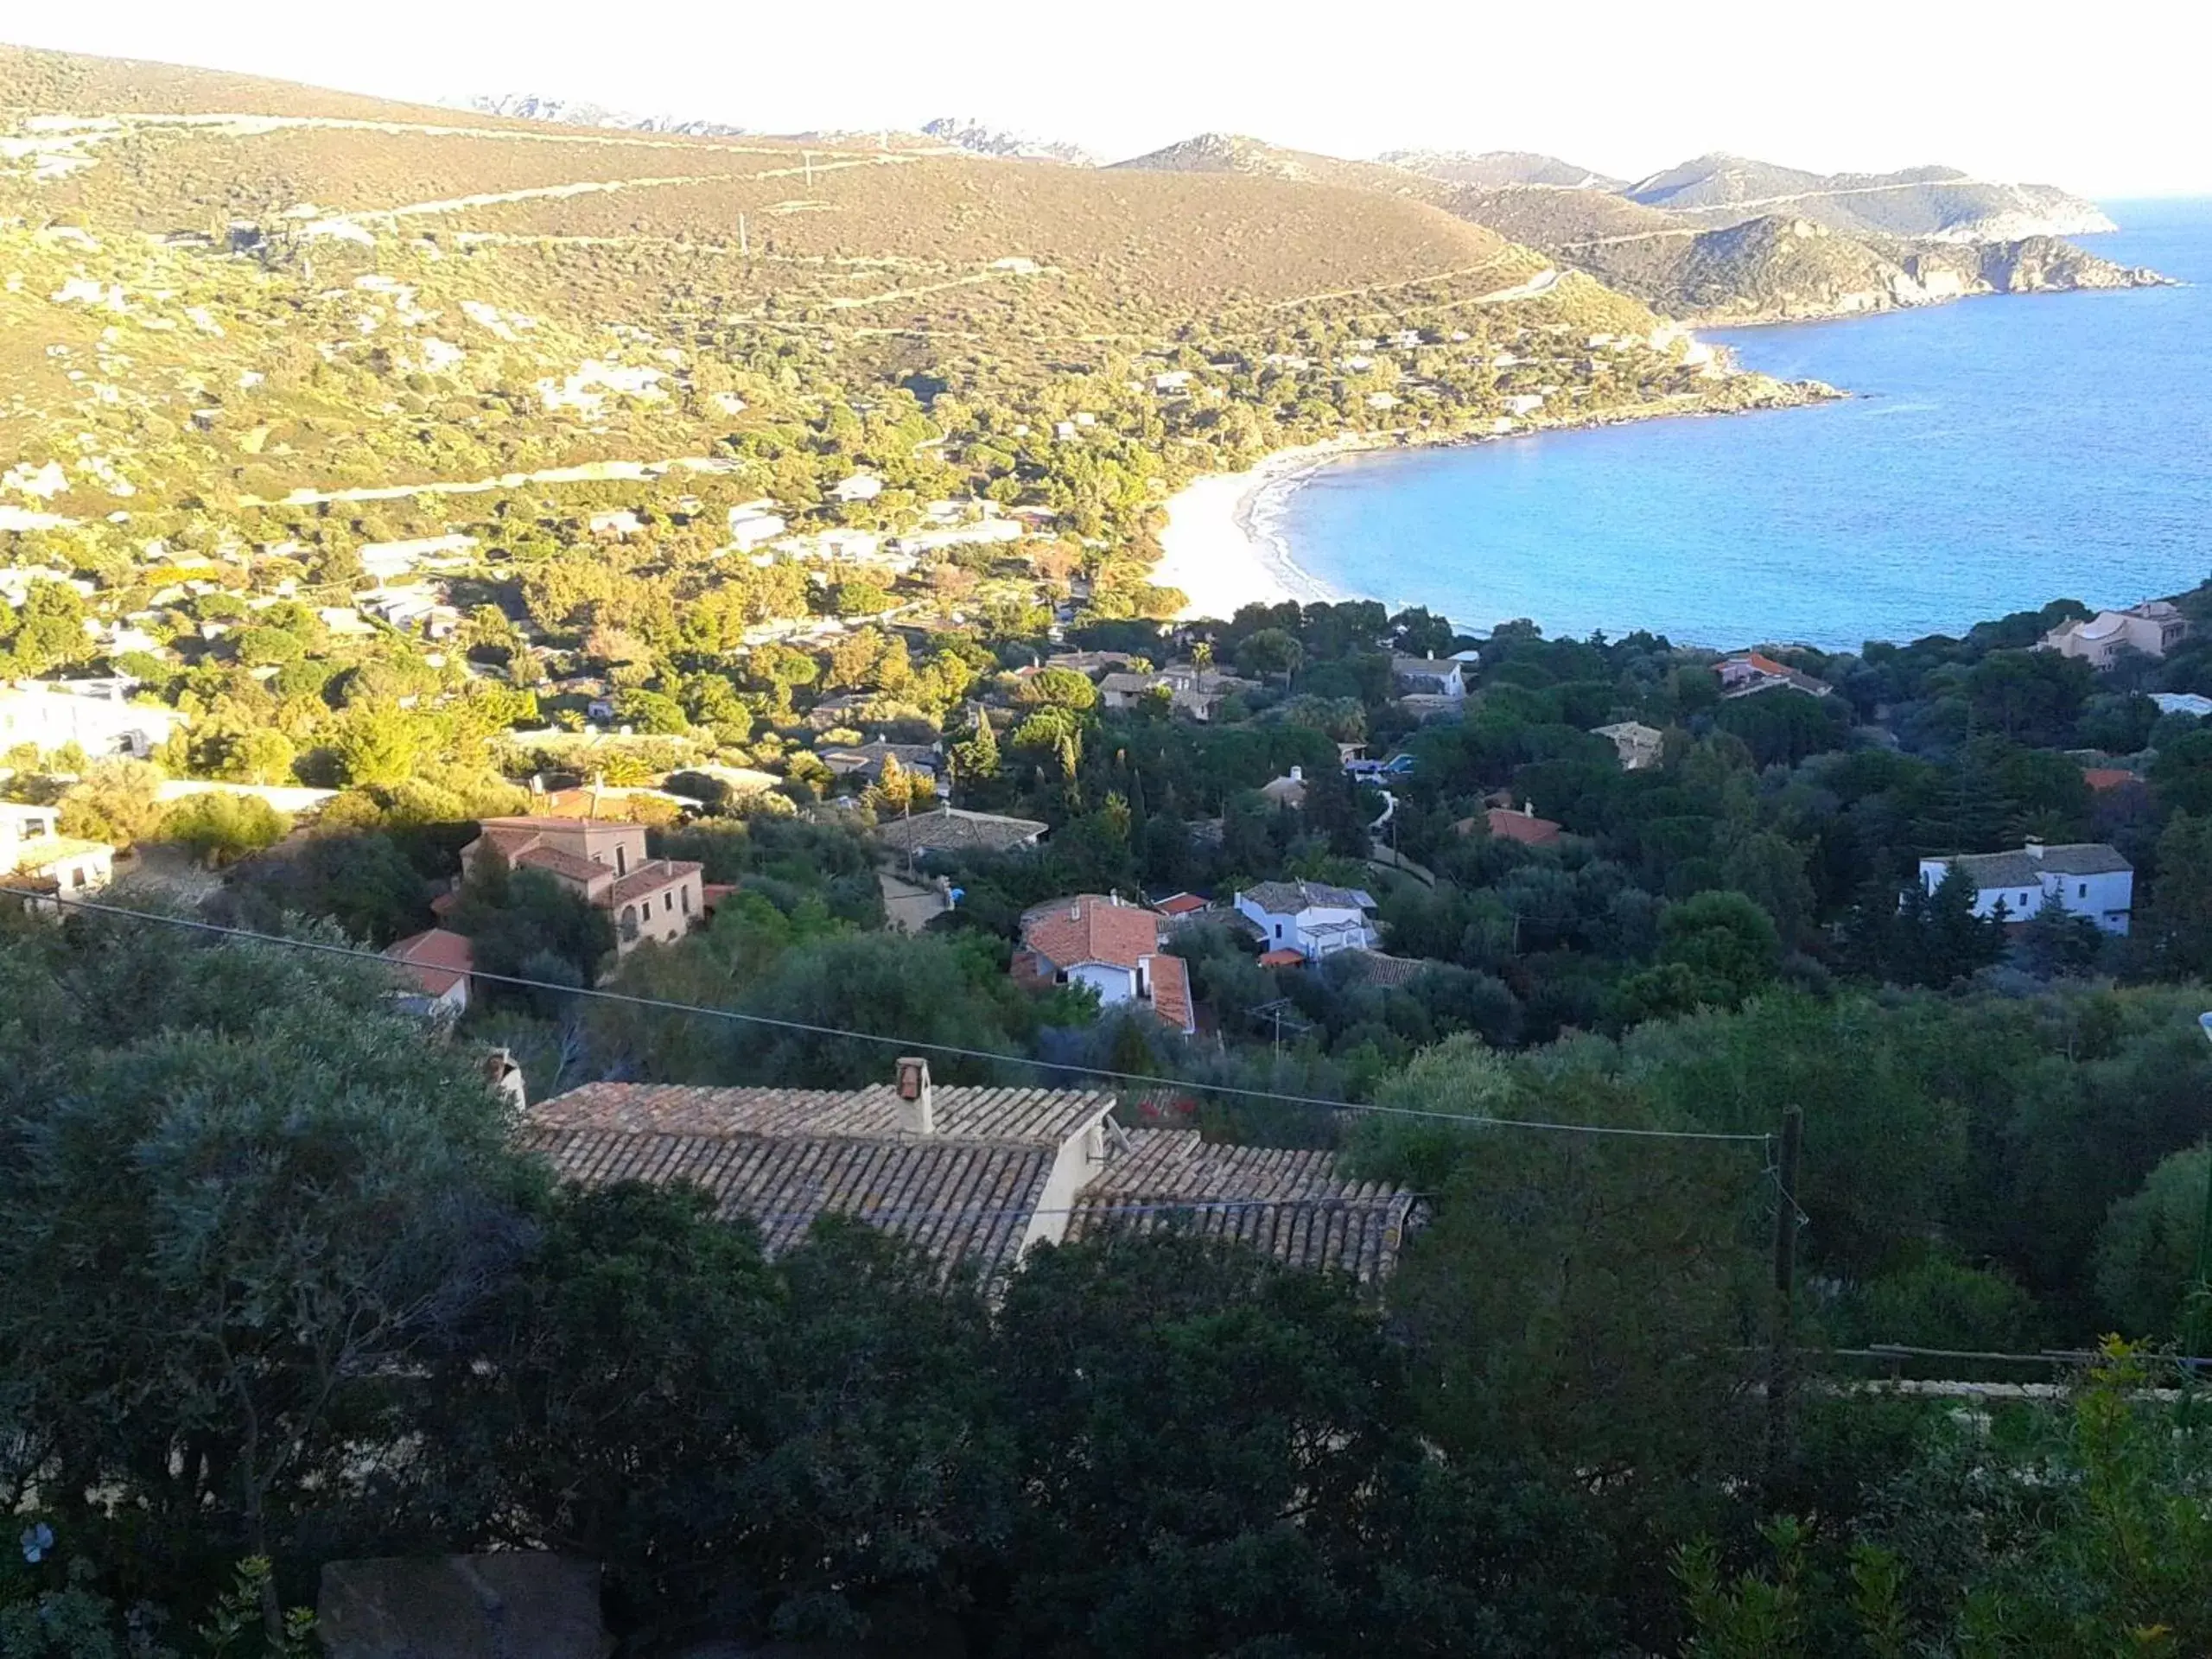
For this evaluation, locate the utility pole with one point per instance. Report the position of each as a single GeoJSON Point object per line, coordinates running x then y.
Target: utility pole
{"type": "Point", "coordinates": [2196, 1308]}
{"type": "Point", "coordinates": [744, 247]}
{"type": "Point", "coordinates": [1781, 1354]}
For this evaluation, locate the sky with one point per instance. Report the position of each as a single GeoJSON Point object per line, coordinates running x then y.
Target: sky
{"type": "Point", "coordinates": [2106, 101]}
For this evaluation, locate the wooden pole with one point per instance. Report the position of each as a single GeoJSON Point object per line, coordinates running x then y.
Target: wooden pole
{"type": "Point", "coordinates": [1781, 1355]}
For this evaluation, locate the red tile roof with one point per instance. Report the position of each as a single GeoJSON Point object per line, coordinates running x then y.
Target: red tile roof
{"type": "Point", "coordinates": [435, 959]}
{"type": "Point", "coordinates": [1170, 992]}
{"type": "Point", "coordinates": [566, 867]}
{"type": "Point", "coordinates": [1285, 958]}
{"type": "Point", "coordinates": [1091, 927]}
{"type": "Point", "coordinates": [1510, 824]}
{"type": "Point", "coordinates": [1290, 1203]}
{"type": "Point", "coordinates": [2103, 777]}
{"type": "Point", "coordinates": [649, 879]}
{"type": "Point", "coordinates": [1180, 904]}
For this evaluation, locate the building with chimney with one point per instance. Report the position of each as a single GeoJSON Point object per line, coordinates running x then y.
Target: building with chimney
{"type": "Point", "coordinates": [975, 1176]}
{"type": "Point", "coordinates": [1110, 945]}
{"type": "Point", "coordinates": [2087, 878]}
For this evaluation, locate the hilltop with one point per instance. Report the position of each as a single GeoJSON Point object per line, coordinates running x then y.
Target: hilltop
{"type": "Point", "coordinates": [1723, 239]}
{"type": "Point", "coordinates": [1498, 169]}
{"type": "Point", "coordinates": [1923, 203]}
{"type": "Point", "coordinates": [980, 138]}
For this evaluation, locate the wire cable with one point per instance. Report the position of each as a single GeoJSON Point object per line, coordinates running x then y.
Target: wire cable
{"type": "Point", "coordinates": [903, 1045]}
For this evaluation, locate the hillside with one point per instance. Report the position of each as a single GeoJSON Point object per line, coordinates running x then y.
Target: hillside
{"type": "Point", "coordinates": [1224, 152]}
{"type": "Point", "coordinates": [239, 314]}
{"type": "Point", "coordinates": [1923, 203]}
{"type": "Point", "coordinates": [1693, 243]}
{"type": "Point", "coordinates": [1499, 170]}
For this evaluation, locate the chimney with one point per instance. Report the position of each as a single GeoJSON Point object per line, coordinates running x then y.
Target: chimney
{"type": "Point", "coordinates": [2033, 848]}
{"type": "Point", "coordinates": [1527, 808]}
{"type": "Point", "coordinates": [504, 1078]}
{"type": "Point", "coordinates": [916, 1098]}
{"type": "Point", "coordinates": [1298, 774]}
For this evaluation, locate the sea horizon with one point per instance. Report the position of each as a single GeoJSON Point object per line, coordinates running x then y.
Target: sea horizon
{"type": "Point", "coordinates": [1988, 459]}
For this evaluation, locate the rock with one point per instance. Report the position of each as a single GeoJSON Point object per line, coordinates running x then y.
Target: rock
{"type": "Point", "coordinates": [512, 1604]}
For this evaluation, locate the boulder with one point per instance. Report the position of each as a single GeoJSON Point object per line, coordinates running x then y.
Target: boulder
{"type": "Point", "coordinates": [514, 1605]}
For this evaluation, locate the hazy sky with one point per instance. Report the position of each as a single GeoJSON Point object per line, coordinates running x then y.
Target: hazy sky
{"type": "Point", "coordinates": [2107, 100]}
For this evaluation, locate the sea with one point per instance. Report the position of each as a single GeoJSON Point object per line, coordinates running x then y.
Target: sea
{"type": "Point", "coordinates": [1996, 454]}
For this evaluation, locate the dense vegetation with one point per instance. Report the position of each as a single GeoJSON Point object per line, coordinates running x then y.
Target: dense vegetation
{"type": "Point", "coordinates": [380, 1330]}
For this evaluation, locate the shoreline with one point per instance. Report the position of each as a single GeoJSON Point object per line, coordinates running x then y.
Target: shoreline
{"type": "Point", "coordinates": [1219, 550]}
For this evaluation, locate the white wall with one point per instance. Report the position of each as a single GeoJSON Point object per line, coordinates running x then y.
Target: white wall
{"type": "Point", "coordinates": [1081, 1157]}
{"type": "Point", "coordinates": [1113, 984]}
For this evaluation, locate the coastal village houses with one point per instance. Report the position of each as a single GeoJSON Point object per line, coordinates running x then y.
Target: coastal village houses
{"type": "Point", "coordinates": [1110, 945]}
{"type": "Point", "coordinates": [1752, 672]}
{"type": "Point", "coordinates": [2087, 878]}
{"type": "Point", "coordinates": [606, 861]}
{"type": "Point", "coordinates": [974, 1175]}
{"type": "Point", "coordinates": [1310, 917]}
{"type": "Point", "coordinates": [2150, 629]}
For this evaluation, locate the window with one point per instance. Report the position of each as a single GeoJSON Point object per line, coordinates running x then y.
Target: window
{"type": "Point", "coordinates": [2084, 890]}
{"type": "Point", "coordinates": [667, 903]}
{"type": "Point", "coordinates": [629, 922]}
{"type": "Point", "coordinates": [621, 859]}
{"type": "Point", "coordinates": [1278, 929]}
{"type": "Point", "coordinates": [685, 895]}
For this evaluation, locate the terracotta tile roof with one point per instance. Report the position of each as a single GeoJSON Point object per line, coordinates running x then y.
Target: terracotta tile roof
{"type": "Point", "coordinates": [963, 1201]}
{"type": "Point", "coordinates": [951, 828]}
{"type": "Point", "coordinates": [1170, 993]}
{"type": "Point", "coordinates": [1292, 1204]}
{"type": "Point", "coordinates": [1180, 903]}
{"type": "Point", "coordinates": [650, 878]}
{"type": "Point", "coordinates": [566, 866]}
{"type": "Point", "coordinates": [2104, 778]}
{"type": "Point", "coordinates": [1377, 967]}
{"type": "Point", "coordinates": [1091, 927]}
{"type": "Point", "coordinates": [436, 960]}
{"type": "Point", "coordinates": [1509, 823]}
{"type": "Point", "coordinates": [968, 1191]}
{"type": "Point", "coordinates": [1283, 958]}
{"type": "Point", "coordinates": [1033, 1117]}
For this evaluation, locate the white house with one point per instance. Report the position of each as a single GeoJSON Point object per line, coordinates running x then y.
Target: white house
{"type": "Point", "coordinates": [93, 715]}
{"type": "Point", "coordinates": [2152, 628]}
{"type": "Point", "coordinates": [2087, 878]}
{"type": "Point", "coordinates": [1311, 917]}
{"type": "Point", "coordinates": [33, 853]}
{"type": "Point", "coordinates": [859, 486]}
{"type": "Point", "coordinates": [755, 524]}
{"type": "Point", "coordinates": [1112, 946]}
{"type": "Point", "coordinates": [1436, 676]}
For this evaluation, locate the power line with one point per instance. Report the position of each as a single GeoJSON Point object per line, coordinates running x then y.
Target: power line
{"type": "Point", "coordinates": [903, 1045]}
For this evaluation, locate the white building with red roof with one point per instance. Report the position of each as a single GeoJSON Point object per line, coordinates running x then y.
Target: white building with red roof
{"type": "Point", "coordinates": [1112, 946]}
{"type": "Point", "coordinates": [434, 966]}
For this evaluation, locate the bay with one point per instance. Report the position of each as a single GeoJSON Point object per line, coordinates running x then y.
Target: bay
{"type": "Point", "coordinates": [1998, 453]}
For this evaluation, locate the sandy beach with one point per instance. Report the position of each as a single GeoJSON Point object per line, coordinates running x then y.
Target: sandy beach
{"type": "Point", "coordinates": [1219, 546]}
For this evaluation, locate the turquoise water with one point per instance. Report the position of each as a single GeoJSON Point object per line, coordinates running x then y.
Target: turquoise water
{"type": "Point", "coordinates": [2000, 452]}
